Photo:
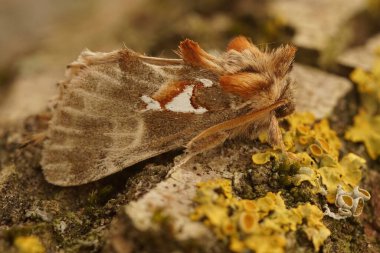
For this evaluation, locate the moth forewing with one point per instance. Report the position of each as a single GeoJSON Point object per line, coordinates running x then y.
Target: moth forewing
{"type": "Point", "coordinates": [101, 124]}
{"type": "Point", "coordinates": [116, 109]}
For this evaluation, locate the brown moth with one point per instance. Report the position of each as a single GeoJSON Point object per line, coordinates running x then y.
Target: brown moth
{"type": "Point", "coordinates": [116, 109]}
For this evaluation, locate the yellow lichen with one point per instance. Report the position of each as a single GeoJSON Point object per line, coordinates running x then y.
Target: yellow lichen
{"type": "Point", "coordinates": [324, 144]}
{"type": "Point", "coordinates": [315, 150]}
{"type": "Point", "coordinates": [263, 158]}
{"type": "Point", "coordinates": [261, 225]}
{"type": "Point", "coordinates": [297, 119]}
{"type": "Point", "coordinates": [315, 230]}
{"type": "Point", "coordinates": [29, 244]}
{"type": "Point", "coordinates": [359, 207]}
{"type": "Point", "coordinates": [248, 222]}
{"type": "Point", "coordinates": [307, 132]}
{"type": "Point", "coordinates": [307, 174]}
{"type": "Point", "coordinates": [304, 140]}
{"type": "Point", "coordinates": [325, 133]}
{"type": "Point", "coordinates": [303, 129]}
{"type": "Point", "coordinates": [366, 129]}
{"type": "Point", "coordinates": [318, 161]}
{"type": "Point", "coordinates": [346, 173]}
{"type": "Point", "coordinates": [249, 205]}
{"type": "Point", "coordinates": [238, 220]}
{"type": "Point", "coordinates": [366, 126]}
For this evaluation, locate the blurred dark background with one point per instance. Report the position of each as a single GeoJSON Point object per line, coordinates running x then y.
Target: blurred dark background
{"type": "Point", "coordinates": [39, 38]}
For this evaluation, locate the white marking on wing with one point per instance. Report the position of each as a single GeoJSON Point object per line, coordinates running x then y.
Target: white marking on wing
{"type": "Point", "coordinates": [151, 104]}
{"type": "Point", "coordinates": [181, 103]}
{"type": "Point", "coordinates": [205, 82]}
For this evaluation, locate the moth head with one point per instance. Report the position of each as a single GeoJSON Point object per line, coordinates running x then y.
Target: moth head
{"type": "Point", "coordinates": [286, 94]}
{"type": "Point", "coordinates": [284, 110]}
{"type": "Point", "coordinates": [250, 71]}
{"type": "Point", "coordinates": [243, 56]}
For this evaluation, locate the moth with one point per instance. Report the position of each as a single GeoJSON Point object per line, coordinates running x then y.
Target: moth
{"type": "Point", "coordinates": [119, 108]}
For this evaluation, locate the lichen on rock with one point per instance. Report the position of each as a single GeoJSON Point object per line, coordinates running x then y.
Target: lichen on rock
{"type": "Point", "coordinates": [314, 151]}
{"type": "Point", "coordinates": [347, 173]}
{"type": "Point", "coordinates": [260, 225]}
{"type": "Point", "coordinates": [366, 126]}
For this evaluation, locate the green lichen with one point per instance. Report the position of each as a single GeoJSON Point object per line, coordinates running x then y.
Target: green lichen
{"type": "Point", "coordinates": [259, 225]}
{"type": "Point", "coordinates": [366, 126]}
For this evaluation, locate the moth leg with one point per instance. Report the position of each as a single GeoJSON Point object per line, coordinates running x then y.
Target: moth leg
{"type": "Point", "coordinates": [195, 147]}
{"type": "Point", "coordinates": [194, 55]}
{"type": "Point", "coordinates": [275, 138]}
{"type": "Point", "coordinates": [274, 134]}
{"type": "Point", "coordinates": [216, 135]}
{"type": "Point", "coordinates": [240, 121]}
{"type": "Point", "coordinates": [200, 145]}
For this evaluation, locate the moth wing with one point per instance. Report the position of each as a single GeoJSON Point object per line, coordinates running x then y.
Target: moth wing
{"type": "Point", "coordinates": [101, 124]}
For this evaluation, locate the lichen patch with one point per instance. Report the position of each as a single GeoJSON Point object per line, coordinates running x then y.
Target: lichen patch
{"type": "Point", "coordinates": [259, 225]}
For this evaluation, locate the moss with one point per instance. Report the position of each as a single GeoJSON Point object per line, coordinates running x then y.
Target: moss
{"type": "Point", "coordinates": [99, 197]}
